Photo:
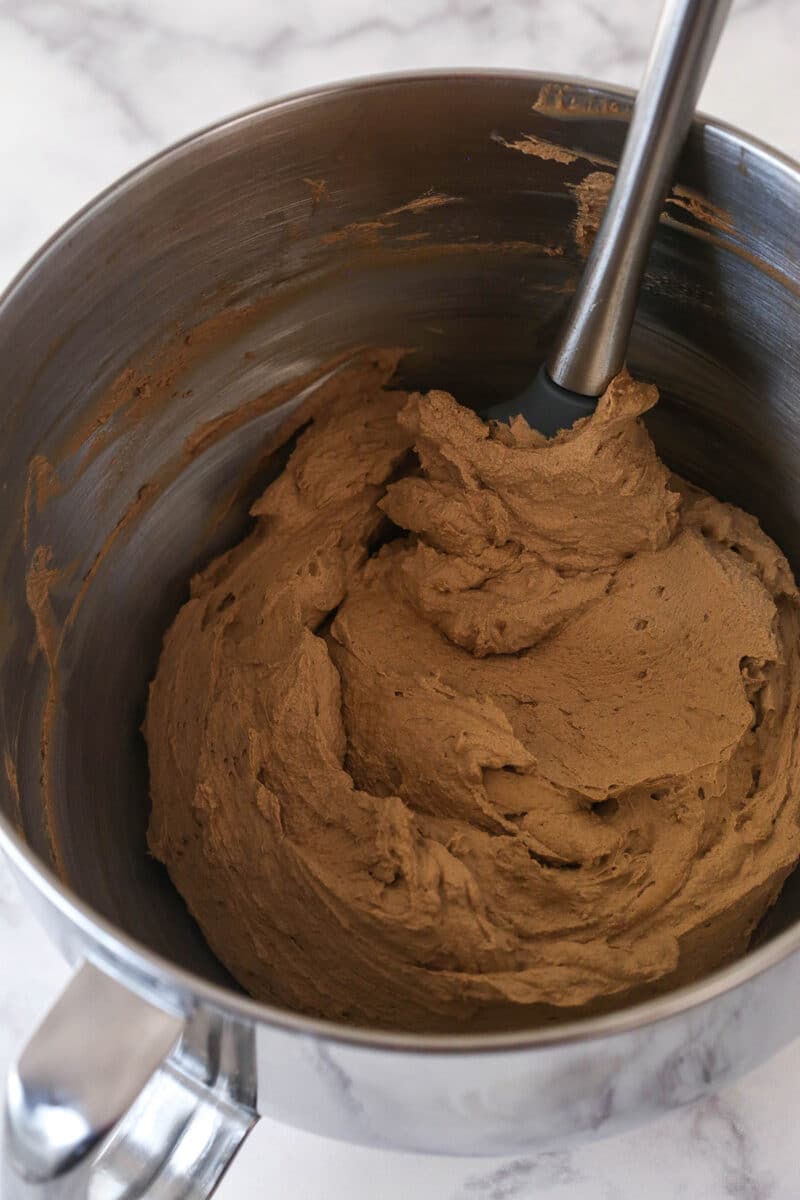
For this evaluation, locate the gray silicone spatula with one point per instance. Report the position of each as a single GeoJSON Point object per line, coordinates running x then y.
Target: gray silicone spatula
{"type": "Point", "coordinates": [591, 345]}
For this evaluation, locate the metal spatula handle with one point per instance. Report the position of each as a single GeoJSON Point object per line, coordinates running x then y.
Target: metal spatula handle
{"type": "Point", "coordinates": [592, 343]}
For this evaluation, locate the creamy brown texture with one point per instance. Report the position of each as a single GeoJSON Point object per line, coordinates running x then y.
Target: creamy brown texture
{"type": "Point", "coordinates": [533, 754]}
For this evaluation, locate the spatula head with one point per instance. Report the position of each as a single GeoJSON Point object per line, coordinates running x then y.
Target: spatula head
{"type": "Point", "coordinates": [545, 406]}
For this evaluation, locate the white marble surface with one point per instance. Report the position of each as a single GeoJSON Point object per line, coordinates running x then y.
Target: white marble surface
{"type": "Point", "coordinates": [90, 87]}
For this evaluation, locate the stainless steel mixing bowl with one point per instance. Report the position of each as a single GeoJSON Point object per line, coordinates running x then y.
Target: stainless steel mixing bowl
{"type": "Point", "coordinates": [419, 211]}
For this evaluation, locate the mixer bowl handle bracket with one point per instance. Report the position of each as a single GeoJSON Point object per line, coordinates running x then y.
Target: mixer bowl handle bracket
{"type": "Point", "coordinates": [117, 1097]}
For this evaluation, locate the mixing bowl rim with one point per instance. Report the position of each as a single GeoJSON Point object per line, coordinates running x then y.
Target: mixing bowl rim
{"type": "Point", "coordinates": [123, 949]}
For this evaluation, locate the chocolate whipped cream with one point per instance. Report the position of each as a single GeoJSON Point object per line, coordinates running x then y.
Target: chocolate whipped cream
{"type": "Point", "coordinates": [477, 729]}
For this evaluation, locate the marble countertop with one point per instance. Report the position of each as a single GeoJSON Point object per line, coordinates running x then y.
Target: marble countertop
{"type": "Point", "coordinates": [90, 87]}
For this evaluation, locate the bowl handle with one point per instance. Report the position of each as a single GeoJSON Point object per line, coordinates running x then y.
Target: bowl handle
{"type": "Point", "coordinates": [114, 1096]}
